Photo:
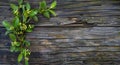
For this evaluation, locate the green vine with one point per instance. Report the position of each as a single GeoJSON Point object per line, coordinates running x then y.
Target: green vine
{"type": "Point", "coordinates": [20, 25]}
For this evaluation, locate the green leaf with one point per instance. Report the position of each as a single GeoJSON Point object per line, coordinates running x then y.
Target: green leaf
{"type": "Point", "coordinates": [28, 6]}
{"type": "Point", "coordinates": [53, 5]}
{"type": "Point", "coordinates": [20, 2]}
{"type": "Point", "coordinates": [17, 49]}
{"type": "Point", "coordinates": [25, 18]}
{"type": "Point", "coordinates": [20, 57]}
{"type": "Point", "coordinates": [43, 5]}
{"type": "Point", "coordinates": [12, 48]}
{"type": "Point", "coordinates": [35, 18]}
{"type": "Point", "coordinates": [6, 24]}
{"type": "Point", "coordinates": [33, 13]}
{"type": "Point", "coordinates": [23, 8]}
{"type": "Point", "coordinates": [28, 52]}
{"type": "Point", "coordinates": [27, 43]}
{"type": "Point", "coordinates": [7, 32]}
{"type": "Point", "coordinates": [29, 30]}
{"type": "Point", "coordinates": [24, 52]}
{"type": "Point", "coordinates": [16, 22]}
{"type": "Point", "coordinates": [17, 44]}
{"type": "Point", "coordinates": [52, 12]}
{"type": "Point", "coordinates": [23, 26]}
{"type": "Point", "coordinates": [26, 62]}
{"type": "Point", "coordinates": [12, 37]}
{"type": "Point", "coordinates": [46, 14]}
{"type": "Point", "coordinates": [14, 7]}
{"type": "Point", "coordinates": [25, 14]}
{"type": "Point", "coordinates": [14, 43]}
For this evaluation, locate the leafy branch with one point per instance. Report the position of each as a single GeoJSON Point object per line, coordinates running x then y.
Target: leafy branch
{"type": "Point", "coordinates": [20, 25]}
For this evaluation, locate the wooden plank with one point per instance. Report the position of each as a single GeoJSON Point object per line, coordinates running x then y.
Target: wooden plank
{"type": "Point", "coordinates": [74, 43]}
{"type": "Point", "coordinates": [70, 58]}
{"type": "Point", "coordinates": [90, 12]}
{"type": "Point", "coordinates": [72, 38]}
{"type": "Point", "coordinates": [74, 33]}
{"type": "Point", "coordinates": [84, 32]}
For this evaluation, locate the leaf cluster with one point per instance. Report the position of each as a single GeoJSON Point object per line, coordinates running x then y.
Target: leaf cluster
{"type": "Point", "coordinates": [20, 25]}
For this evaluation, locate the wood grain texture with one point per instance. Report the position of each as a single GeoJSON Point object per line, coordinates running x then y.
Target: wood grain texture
{"type": "Point", "coordinates": [85, 32]}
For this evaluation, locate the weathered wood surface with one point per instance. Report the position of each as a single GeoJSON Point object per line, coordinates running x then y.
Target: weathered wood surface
{"type": "Point", "coordinates": [85, 32]}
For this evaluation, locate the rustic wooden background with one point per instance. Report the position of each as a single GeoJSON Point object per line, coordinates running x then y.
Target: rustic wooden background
{"type": "Point", "coordinates": [85, 32]}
